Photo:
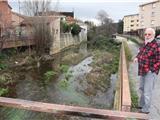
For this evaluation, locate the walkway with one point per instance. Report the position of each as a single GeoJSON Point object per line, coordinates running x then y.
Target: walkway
{"type": "Point", "coordinates": [155, 107]}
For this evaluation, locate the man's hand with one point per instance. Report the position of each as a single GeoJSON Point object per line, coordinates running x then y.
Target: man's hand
{"type": "Point", "coordinates": [135, 60]}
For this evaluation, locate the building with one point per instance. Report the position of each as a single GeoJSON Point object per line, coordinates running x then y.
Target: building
{"type": "Point", "coordinates": [5, 16]}
{"type": "Point", "coordinates": [52, 22]}
{"type": "Point", "coordinates": [65, 16]}
{"type": "Point", "coordinates": [17, 19]}
{"type": "Point", "coordinates": [149, 16]}
{"type": "Point", "coordinates": [131, 23]}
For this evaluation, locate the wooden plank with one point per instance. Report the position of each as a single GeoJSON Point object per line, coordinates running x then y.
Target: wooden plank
{"type": "Point", "coordinates": [69, 110]}
{"type": "Point", "coordinates": [126, 97]}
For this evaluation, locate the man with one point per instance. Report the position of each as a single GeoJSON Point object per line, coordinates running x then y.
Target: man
{"type": "Point", "coordinates": [148, 67]}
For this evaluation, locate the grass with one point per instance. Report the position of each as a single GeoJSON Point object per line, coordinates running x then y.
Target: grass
{"type": "Point", "coordinates": [134, 96]}
{"type": "Point", "coordinates": [127, 52]}
{"type": "Point", "coordinates": [134, 40]}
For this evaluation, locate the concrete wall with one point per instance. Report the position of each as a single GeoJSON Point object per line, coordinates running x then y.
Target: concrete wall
{"type": "Point", "coordinates": [66, 39]}
{"type": "Point", "coordinates": [55, 30]}
{"type": "Point", "coordinates": [63, 40]}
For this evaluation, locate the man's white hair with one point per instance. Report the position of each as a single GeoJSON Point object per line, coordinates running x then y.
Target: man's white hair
{"type": "Point", "coordinates": [151, 29]}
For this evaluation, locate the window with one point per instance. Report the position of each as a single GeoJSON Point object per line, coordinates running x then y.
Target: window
{"type": "Point", "coordinates": [132, 25]}
{"type": "Point", "coordinates": [142, 23]}
{"type": "Point", "coordinates": [132, 20]}
{"type": "Point", "coordinates": [142, 16]}
{"type": "Point", "coordinates": [152, 22]}
{"type": "Point", "coordinates": [137, 20]}
{"type": "Point", "coordinates": [153, 14]}
{"type": "Point", "coordinates": [153, 5]}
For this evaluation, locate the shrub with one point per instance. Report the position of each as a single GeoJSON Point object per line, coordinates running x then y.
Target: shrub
{"type": "Point", "coordinates": [3, 56]}
{"type": "Point", "coordinates": [48, 75]}
{"type": "Point", "coordinates": [3, 66]}
{"type": "Point", "coordinates": [3, 91]}
{"type": "Point", "coordinates": [63, 84]}
{"type": "Point", "coordinates": [64, 68]}
{"type": "Point", "coordinates": [76, 29]}
{"type": "Point", "coordinates": [65, 27]}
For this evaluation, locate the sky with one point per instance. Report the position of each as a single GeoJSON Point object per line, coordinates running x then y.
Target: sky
{"type": "Point", "coordinates": [88, 9]}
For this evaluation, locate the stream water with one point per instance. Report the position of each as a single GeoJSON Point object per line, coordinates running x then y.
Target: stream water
{"type": "Point", "coordinates": [30, 86]}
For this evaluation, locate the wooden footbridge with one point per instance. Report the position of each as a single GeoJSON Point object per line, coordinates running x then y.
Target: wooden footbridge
{"type": "Point", "coordinates": [122, 105]}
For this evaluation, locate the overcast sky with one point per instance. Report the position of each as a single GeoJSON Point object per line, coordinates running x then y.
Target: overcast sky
{"type": "Point", "coordinates": [88, 9]}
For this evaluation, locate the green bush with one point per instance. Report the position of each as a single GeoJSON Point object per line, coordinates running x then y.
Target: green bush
{"type": "Point", "coordinates": [3, 66]}
{"type": "Point", "coordinates": [76, 29]}
{"type": "Point", "coordinates": [3, 56]}
{"type": "Point", "coordinates": [3, 91]}
{"type": "Point", "coordinates": [65, 27]}
{"type": "Point", "coordinates": [104, 43]}
{"type": "Point", "coordinates": [48, 75]}
{"type": "Point", "coordinates": [63, 84]}
{"type": "Point", "coordinates": [64, 68]}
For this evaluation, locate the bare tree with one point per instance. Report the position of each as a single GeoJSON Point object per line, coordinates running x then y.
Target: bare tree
{"type": "Point", "coordinates": [42, 36]}
{"type": "Point", "coordinates": [102, 16]}
{"type": "Point", "coordinates": [35, 7]}
{"type": "Point", "coordinates": [40, 25]}
{"type": "Point", "coordinates": [107, 27]}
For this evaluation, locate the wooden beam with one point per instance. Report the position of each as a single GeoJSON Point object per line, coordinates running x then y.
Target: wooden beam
{"type": "Point", "coordinates": [126, 97]}
{"type": "Point", "coordinates": [69, 110]}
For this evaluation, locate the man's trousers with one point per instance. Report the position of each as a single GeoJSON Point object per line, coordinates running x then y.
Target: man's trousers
{"type": "Point", "coordinates": [147, 83]}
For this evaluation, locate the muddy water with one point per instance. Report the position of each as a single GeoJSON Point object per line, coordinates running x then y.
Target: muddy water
{"type": "Point", "coordinates": [59, 90]}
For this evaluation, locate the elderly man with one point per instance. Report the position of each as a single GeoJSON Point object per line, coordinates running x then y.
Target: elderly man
{"type": "Point", "coordinates": [148, 67]}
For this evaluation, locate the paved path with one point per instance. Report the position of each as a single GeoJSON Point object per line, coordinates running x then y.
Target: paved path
{"type": "Point", "coordinates": [155, 107]}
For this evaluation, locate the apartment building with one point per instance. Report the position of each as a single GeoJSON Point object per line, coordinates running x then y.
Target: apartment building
{"type": "Point", "coordinates": [131, 23]}
{"type": "Point", "coordinates": [149, 15]}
